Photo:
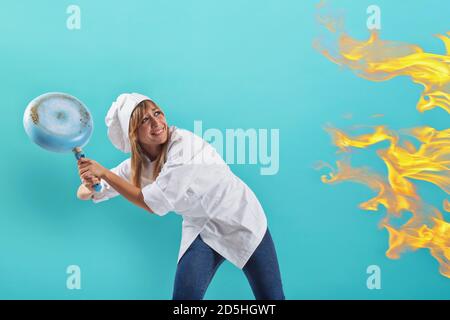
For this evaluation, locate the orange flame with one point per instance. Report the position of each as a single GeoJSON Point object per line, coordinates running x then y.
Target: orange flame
{"type": "Point", "coordinates": [431, 162]}
{"type": "Point", "coordinates": [379, 60]}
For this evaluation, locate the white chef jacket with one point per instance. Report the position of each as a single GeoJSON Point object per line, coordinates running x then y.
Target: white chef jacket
{"type": "Point", "coordinates": [196, 183]}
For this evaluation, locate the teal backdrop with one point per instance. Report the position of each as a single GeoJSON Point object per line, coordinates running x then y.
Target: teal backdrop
{"type": "Point", "coordinates": [230, 64]}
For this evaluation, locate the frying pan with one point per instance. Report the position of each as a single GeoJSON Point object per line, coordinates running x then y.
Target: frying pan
{"type": "Point", "coordinates": [59, 122]}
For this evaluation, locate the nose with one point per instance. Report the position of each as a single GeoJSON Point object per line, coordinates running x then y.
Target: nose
{"type": "Point", "coordinates": [153, 122]}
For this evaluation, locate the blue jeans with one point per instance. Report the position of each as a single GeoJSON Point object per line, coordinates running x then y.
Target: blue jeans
{"type": "Point", "coordinates": [199, 263]}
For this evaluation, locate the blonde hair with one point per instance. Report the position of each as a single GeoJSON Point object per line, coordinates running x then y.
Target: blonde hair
{"type": "Point", "coordinates": [137, 154]}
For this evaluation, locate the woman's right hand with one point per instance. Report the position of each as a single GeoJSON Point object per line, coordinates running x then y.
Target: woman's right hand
{"type": "Point", "coordinates": [89, 182]}
{"type": "Point", "coordinates": [86, 190]}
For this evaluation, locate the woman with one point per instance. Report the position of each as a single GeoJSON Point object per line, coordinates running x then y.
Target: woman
{"type": "Point", "coordinates": [171, 169]}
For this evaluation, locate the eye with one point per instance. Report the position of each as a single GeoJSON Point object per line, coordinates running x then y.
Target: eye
{"type": "Point", "coordinates": [157, 113]}
{"type": "Point", "coordinates": [144, 120]}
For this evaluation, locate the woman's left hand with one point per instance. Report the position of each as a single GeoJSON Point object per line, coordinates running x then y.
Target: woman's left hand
{"type": "Point", "coordinates": [88, 168]}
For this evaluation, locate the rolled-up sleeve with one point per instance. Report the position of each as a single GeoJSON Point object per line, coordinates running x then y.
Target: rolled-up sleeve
{"type": "Point", "coordinates": [154, 197]}
{"type": "Point", "coordinates": [176, 176]}
{"type": "Point", "coordinates": [107, 192]}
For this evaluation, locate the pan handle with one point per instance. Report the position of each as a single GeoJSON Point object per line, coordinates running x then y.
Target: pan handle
{"type": "Point", "coordinates": [80, 154]}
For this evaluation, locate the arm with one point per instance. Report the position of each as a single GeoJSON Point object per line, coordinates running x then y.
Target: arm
{"type": "Point", "coordinates": [126, 189]}
{"type": "Point", "coordinates": [89, 169]}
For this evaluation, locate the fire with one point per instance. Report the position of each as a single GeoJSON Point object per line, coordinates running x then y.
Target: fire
{"type": "Point", "coordinates": [379, 60]}
{"type": "Point", "coordinates": [397, 193]}
{"type": "Point", "coordinates": [435, 238]}
{"type": "Point", "coordinates": [421, 153]}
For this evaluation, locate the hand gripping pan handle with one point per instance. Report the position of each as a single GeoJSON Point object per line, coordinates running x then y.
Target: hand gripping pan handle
{"type": "Point", "coordinates": [80, 154]}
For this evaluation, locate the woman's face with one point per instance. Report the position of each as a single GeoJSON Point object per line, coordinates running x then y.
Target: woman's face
{"type": "Point", "coordinates": [153, 127]}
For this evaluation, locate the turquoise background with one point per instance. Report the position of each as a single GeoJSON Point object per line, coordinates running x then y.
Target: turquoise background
{"type": "Point", "coordinates": [231, 64]}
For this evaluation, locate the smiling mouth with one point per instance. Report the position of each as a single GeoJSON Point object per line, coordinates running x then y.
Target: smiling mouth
{"type": "Point", "coordinates": [158, 131]}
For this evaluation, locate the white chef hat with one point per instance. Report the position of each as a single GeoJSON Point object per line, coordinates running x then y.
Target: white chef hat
{"type": "Point", "coordinates": [118, 119]}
